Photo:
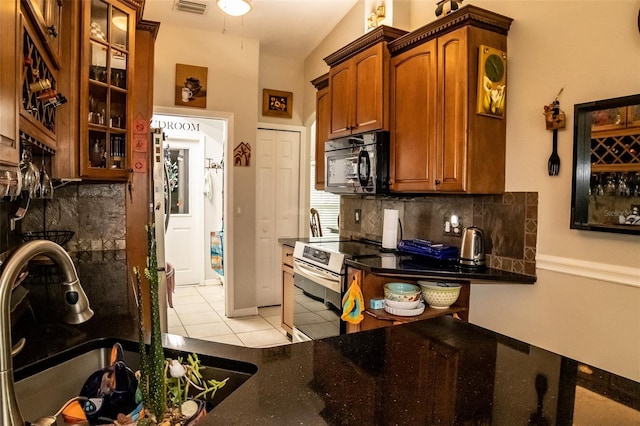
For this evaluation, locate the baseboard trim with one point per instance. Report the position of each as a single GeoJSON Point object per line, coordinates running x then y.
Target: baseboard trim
{"type": "Point", "coordinates": [245, 312]}
{"type": "Point", "coordinates": [623, 275]}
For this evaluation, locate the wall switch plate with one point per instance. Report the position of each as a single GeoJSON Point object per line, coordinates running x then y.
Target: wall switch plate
{"type": "Point", "coordinates": [357, 215]}
{"type": "Point", "coordinates": [452, 226]}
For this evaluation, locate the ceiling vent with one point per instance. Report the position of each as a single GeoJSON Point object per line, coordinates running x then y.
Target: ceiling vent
{"type": "Point", "coordinates": [191, 6]}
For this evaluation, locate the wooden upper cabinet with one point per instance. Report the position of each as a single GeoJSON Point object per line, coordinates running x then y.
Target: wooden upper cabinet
{"type": "Point", "coordinates": [9, 145]}
{"type": "Point", "coordinates": [439, 142]}
{"type": "Point", "coordinates": [413, 82]}
{"type": "Point", "coordinates": [47, 18]}
{"type": "Point", "coordinates": [452, 111]}
{"type": "Point", "coordinates": [356, 93]}
{"type": "Point", "coordinates": [106, 79]}
{"type": "Point", "coordinates": [41, 99]}
{"type": "Point", "coordinates": [358, 84]}
{"type": "Point", "coordinates": [323, 111]}
{"type": "Point", "coordinates": [341, 99]}
{"type": "Point", "coordinates": [370, 76]}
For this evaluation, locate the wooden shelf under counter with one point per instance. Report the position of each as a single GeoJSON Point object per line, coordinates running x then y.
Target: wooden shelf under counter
{"type": "Point", "coordinates": [372, 285]}
{"type": "Point", "coordinates": [381, 314]}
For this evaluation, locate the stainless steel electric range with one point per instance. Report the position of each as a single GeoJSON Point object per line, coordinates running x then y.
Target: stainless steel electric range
{"type": "Point", "coordinates": [319, 278]}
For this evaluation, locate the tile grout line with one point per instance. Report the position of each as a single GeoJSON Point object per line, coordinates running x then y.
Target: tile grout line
{"type": "Point", "coordinates": [206, 297]}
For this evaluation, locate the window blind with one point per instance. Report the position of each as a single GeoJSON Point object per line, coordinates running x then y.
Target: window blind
{"type": "Point", "coordinates": [327, 204]}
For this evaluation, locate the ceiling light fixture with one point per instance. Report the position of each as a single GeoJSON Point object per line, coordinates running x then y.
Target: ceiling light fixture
{"type": "Point", "coordinates": [120, 22]}
{"type": "Point", "coordinates": [235, 7]}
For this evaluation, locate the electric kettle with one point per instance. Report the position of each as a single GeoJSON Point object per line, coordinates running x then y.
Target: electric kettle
{"type": "Point", "coordinates": [472, 249]}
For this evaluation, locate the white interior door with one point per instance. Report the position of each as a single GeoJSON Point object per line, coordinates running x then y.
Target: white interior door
{"type": "Point", "coordinates": [277, 192]}
{"type": "Point", "coordinates": [184, 238]}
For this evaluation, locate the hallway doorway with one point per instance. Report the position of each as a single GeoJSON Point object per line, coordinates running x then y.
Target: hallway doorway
{"type": "Point", "coordinates": [184, 237]}
{"type": "Point", "coordinates": [197, 146]}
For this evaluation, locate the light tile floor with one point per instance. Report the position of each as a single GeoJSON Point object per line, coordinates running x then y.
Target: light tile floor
{"type": "Point", "coordinates": [198, 311]}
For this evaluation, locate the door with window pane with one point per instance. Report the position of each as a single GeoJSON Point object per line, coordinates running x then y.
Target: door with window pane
{"type": "Point", "coordinates": [184, 237]}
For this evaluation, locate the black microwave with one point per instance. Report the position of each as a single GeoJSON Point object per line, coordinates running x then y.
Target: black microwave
{"type": "Point", "coordinates": [357, 164]}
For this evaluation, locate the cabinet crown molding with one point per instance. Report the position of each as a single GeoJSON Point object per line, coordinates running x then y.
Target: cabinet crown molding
{"type": "Point", "coordinates": [150, 26]}
{"type": "Point", "coordinates": [382, 33]}
{"type": "Point", "coordinates": [321, 82]}
{"type": "Point", "coordinates": [467, 15]}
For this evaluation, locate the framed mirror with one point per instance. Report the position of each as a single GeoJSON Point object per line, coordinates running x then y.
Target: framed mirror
{"type": "Point", "coordinates": [606, 166]}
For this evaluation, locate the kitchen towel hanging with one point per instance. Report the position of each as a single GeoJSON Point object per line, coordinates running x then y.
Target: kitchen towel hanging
{"type": "Point", "coordinates": [390, 229]}
{"type": "Point", "coordinates": [353, 303]}
{"type": "Point", "coordinates": [217, 252]}
{"type": "Point", "coordinates": [207, 187]}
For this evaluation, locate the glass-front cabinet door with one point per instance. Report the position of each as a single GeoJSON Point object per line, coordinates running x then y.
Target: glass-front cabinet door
{"type": "Point", "coordinates": [109, 27]}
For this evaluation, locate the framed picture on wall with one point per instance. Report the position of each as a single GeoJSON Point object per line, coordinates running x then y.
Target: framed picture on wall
{"type": "Point", "coordinates": [276, 103]}
{"type": "Point", "coordinates": [191, 86]}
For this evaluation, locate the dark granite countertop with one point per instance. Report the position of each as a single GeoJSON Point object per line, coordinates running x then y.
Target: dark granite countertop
{"type": "Point", "coordinates": [402, 264]}
{"type": "Point", "coordinates": [436, 371]}
{"type": "Point", "coordinates": [407, 265]}
{"type": "Point", "coordinates": [440, 371]}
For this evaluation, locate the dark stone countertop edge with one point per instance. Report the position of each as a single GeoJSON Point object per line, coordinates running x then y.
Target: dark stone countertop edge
{"type": "Point", "coordinates": [282, 387]}
{"type": "Point", "coordinates": [484, 276]}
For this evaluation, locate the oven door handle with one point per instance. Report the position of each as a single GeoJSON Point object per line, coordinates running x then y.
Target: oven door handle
{"type": "Point", "coordinates": [325, 280]}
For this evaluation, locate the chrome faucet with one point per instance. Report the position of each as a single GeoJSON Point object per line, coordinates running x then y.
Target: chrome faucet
{"type": "Point", "coordinates": [76, 307]}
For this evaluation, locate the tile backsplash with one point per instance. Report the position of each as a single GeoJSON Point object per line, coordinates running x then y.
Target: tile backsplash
{"type": "Point", "coordinates": [8, 239]}
{"type": "Point", "coordinates": [95, 212]}
{"type": "Point", "coordinates": [509, 222]}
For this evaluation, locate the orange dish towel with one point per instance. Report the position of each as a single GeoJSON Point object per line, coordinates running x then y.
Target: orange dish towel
{"type": "Point", "coordinates": [353, 303]}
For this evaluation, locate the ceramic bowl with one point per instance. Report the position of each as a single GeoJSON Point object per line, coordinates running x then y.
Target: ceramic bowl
{"type": "Point", "coordinates": [402, 292]}
{"type": "Point", "coordinates": [405, 312]}
{"type": "Point", "coordinates": [414, 304]}
{"type": "Point", "coordinates": [439, 295]}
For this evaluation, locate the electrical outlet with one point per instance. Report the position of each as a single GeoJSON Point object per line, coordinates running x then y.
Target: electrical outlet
{"type": "Point", "coordinates": [452, 226]}
{"type": "Point", "coordinates": [357, 216]}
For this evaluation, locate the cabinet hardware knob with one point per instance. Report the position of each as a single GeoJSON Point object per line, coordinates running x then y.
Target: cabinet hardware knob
{"type": "Point", "coordinates": [53, 32]}
{"type": "Point", "coordinates": [289, 254]}
{"type": "Point", "coordinates": [437, 182]}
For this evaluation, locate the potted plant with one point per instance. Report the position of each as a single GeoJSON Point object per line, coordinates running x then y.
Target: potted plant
{"type": "Point", "coordinates": [173, 391]}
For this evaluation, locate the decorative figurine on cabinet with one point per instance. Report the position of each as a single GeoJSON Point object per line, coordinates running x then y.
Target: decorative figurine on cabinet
{"type": "Point", "coordinates": [445, 7]}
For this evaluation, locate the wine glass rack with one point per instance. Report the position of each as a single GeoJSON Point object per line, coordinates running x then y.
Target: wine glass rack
{"type": "Point", "coordinates": [39, 104]}
{"type": "Point", "coordinates": [616, 152]}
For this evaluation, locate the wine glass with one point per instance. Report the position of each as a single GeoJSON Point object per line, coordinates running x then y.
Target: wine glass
{"type": "Point", "coordinates": [46, 186]}
{"type": "Point", "coordinates": [30, 174]}
{"type": "Point", "coordinates": [611, 187]}
{"type": "Point", "coordinates": [623, 187]}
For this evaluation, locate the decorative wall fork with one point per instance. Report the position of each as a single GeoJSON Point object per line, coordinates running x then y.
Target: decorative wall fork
{"type": "Point", "coordinates": [555, 119]}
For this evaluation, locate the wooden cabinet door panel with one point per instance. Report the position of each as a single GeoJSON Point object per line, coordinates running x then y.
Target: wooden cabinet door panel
{"type": "Point", "coordinates": [323, 118]}
{"type": "Point", "coordinates": [340, 95]}
{"type": "Point", "coordinates": [9, 146]}
{"type": "Point", "coordinates": [367, 71]}
{"type": "Point", "coordinates": [287, 298]}
{"type": "Point", "coordinates": [452, 111]}
{"type": "Point", "coordinates": [413, 126]}
{"type": "Point", "coordinates": [441, 374]}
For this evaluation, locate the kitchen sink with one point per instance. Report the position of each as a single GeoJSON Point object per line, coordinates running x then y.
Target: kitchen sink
{"type": "Point", "coordinates": [43, 387]}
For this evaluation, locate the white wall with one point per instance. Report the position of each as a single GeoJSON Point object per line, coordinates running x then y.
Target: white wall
{"type": "Point", "coordinates": [232, 87]}
{"type": "Point", "coordinates": [592, 49]}
{"type": "Point", "coordinates": [347, 30]}
{"type": "Point", "coordinates": [284, 74]}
